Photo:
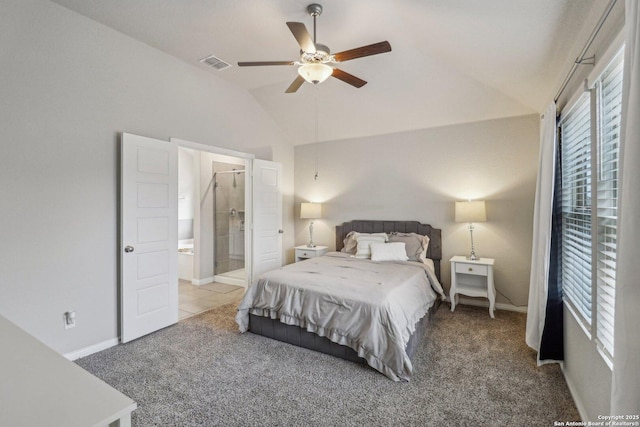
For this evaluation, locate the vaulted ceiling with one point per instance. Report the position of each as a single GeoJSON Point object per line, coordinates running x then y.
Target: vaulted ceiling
{"type": "Point", "coordinates": [452, 61]}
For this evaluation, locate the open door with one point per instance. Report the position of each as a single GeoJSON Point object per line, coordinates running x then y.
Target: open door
{"type": "Point", "coordinates": [149, 236]}
{"type": "Point", "coordinates": [267, 214]}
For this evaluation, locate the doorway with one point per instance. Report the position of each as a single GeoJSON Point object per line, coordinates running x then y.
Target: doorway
{"type": "Point", "coordinates": [212, 202]}
{"type": "Point", "coordinates": [212, 197]}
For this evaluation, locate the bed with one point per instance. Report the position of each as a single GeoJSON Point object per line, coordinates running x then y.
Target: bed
{"type": "Point", "coordinates": [372, 311]}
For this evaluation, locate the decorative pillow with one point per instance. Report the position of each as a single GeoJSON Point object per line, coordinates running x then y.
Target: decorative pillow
{"type": "Point", "coordinates": [416, 245]}
{"type": "Point", "coordinates": [350, 244]}
{"type": "Point", "coordinates": [364, 240]}
{"type": "Point", "coordinates": [388, 251]}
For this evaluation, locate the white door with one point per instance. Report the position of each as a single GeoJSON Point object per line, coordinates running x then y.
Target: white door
{"type": "Point", "coordinates": [267, 216]}
{"type": "Point", "coordinates": [149, 236]}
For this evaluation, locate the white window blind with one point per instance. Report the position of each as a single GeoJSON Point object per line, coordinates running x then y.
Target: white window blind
{"type": "Point", "coordinates": [609, 89]}
{"type": "Point", "coordinates": [575, 132]}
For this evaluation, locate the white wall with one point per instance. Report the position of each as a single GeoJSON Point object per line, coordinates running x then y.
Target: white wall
{"type": "Point", "coordinates": [418, 175]}
{"type": "Point", "coordinates": [586, 372]}
{"type": "Point", "coordinates": [185, 184]}
{"type": "Point", "coordinates": [68, 88]}
{"type": "Point", "coordinates": [186, 194]}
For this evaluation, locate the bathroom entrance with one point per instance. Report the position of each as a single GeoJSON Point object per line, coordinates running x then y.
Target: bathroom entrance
{"type": "Point", "coordinates": [212, 204]}
{"type": "Point", "coordinates": [212, 200]}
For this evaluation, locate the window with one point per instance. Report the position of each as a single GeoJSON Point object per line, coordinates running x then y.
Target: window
{"type": "Point", "coordinates": [609, 90]}
{"type": "Point", "coordinates": [589, 212]}
{"type": "Point", "coordinates": [575, 132]}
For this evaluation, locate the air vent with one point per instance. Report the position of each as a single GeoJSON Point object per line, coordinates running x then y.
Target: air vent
{"type": "Point", "coordinates": [215, 62]}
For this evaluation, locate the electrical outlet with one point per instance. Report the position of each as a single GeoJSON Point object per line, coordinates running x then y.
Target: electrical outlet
{"type": "Point", "coordinates": [69, 319]}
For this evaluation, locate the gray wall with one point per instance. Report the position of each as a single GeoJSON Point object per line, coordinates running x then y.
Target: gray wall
{"type": "Point", "coordinates": [68, 88]}
{"type": "Point", "coordinates": [419, 175]}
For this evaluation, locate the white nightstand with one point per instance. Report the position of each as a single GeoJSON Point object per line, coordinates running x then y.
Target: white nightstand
{"type": "Point", "coordinates": [305, 252]}
{"type": "Point", "coordinates": [472, 278]}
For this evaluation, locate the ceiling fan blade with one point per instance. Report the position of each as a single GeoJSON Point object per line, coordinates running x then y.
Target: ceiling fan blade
{"type": "Point", "coordinates": [295, 85]}
{"type": "Point", "coordinates": [257, 63]}
{"type": "Point", "coordinates": [359, 52]}
{"type": "Point", "coordinates": [348, 78]}
{"type": "Point", "coordinates": [302, 36]}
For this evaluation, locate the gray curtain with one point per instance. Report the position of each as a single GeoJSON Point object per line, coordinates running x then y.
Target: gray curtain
{"type": "Point", "coordinates": [552, 341]}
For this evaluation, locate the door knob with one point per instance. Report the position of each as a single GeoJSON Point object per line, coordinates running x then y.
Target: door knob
{"type": "Point", "coordinates": [128, 248]}
{"type": "Point", "coordinates": [281, 231]}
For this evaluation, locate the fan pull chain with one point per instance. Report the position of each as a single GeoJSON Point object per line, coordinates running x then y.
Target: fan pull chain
{"type": "Point", "coordinates": [315, 177]}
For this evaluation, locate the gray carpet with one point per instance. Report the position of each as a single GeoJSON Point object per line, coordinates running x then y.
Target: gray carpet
{"type": "Point", "coordinates": [472, 371]}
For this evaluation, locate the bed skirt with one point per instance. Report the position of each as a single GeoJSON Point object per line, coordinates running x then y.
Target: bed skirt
{"type": "Point", "coordinates": [291, 334]}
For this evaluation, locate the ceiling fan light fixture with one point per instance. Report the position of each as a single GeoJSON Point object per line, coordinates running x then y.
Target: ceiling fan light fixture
{"type": "Point", "coordinates": [315, 73]}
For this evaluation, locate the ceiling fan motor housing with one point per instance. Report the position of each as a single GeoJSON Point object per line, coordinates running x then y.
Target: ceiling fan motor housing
{"type": "Point", "coordinates": [321, 55]}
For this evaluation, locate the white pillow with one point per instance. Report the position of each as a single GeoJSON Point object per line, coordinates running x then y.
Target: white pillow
{"type": "Point", "coordinates": [388, 251]}
{"type": "Point", "coordinates": [364, 240]}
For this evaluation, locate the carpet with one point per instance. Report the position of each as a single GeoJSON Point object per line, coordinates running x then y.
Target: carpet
{"type": "Point", "coordinates": [471, 371]}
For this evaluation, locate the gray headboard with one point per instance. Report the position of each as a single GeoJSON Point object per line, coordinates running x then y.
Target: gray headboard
{"type": "Point", "coordinates": [375, 226]}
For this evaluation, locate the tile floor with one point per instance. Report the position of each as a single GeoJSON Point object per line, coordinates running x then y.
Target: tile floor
{"type": "Point", "coordinates": [194, 299]}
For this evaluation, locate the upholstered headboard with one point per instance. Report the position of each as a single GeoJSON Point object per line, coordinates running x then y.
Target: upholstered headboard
{"type": "Point", "coordinates": [375, 226]}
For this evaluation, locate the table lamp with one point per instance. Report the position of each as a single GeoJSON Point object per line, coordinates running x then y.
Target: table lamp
{"type": "Point", "coordinates": [471, 211]}
{"type": "Point", "coordinates": [311, 211]}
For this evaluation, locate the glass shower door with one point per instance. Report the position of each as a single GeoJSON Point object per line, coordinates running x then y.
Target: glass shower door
{"type": "Point", "coordinates": [229, 187]}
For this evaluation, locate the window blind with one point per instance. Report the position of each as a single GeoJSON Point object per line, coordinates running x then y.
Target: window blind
{"type": "Point", "coordinates": [575, 132]}
{"type": "Point", "coordinates": [609, 87]}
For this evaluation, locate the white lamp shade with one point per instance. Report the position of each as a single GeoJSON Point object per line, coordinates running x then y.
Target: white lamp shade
{"type": "Point", "coordinates": [471, 211]}
{"type": "Point", "coordinates": [310, 210]}
{"type": "Point", "coordinates": [315, 73]}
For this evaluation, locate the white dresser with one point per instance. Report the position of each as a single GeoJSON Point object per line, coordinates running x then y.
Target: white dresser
{"type": "Point", "coordinates": [40, 387]}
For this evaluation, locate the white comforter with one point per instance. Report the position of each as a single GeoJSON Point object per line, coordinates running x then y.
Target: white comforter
{"type": "Point", "coordinates": [371, 307]}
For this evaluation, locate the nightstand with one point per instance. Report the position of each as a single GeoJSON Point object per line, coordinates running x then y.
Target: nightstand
{"type": "Point", "coordinates": [472, 278]}
{"type": "Point", "coordinates": [305, 252]}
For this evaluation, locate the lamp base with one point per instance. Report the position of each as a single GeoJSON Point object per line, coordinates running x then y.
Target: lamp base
{"type": "Point", "coordinates": [472, 256]}
{"type": "Point", "coordinates": [311, 244]}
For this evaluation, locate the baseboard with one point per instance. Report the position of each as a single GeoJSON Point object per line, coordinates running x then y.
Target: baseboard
{"type": "Point", "coordinates": [576, 397]}
{"type": "Point", "coordinates": [485, 303]}
{"type": "Point", "coordinates": [202, 281]}
{"type": "Point", "coordinates": [83, 352]}
{"type": "Point", "coordinates": [231, 281]}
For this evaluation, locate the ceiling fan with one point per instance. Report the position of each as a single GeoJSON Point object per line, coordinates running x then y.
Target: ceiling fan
{"type": "Point", "coordinates": [315, 58]}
